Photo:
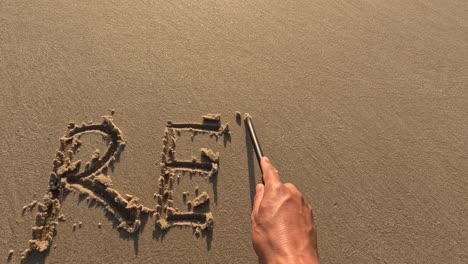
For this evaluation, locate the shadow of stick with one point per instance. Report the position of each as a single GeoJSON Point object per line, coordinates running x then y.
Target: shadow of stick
{"type": "Point", "coordinates": [251, 160]}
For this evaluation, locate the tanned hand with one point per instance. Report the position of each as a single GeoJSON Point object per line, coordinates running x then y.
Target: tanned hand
{"type": "Point", "coordinates": [283, 229]}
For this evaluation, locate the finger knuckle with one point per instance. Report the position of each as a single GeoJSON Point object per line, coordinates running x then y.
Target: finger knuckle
{"type": "Point", "coordinates": [290, 185]}
{"type": "Point", "coordinates": [275, 186]}
{"type": "Point", "coordinates": [293, 189]}
{"type": "Point", "coordinates": [253, 219]}
{"type": "Point", "coordinates": [273, 170]}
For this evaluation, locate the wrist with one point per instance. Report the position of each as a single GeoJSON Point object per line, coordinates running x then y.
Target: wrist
{"type": "Point", "coordinates": [305, 258]}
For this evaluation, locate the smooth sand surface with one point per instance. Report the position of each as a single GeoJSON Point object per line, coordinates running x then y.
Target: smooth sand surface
{"type": "Point", "coordinates": [363, 105]}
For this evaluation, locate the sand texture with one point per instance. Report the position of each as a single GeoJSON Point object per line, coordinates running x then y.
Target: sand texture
{"type": "Point", "coordinates": [122, 141]}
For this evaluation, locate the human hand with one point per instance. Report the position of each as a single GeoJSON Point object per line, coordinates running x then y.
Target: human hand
{"type": "Point", "coordinates": [283, 229]}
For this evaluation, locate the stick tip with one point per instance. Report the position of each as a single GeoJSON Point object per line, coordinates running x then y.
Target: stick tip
{"type": "Point", "coordinates": [247, 115]}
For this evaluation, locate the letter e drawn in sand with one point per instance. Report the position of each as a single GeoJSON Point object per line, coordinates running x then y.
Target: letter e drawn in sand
{"type": "Point", "coordinates": [166, 216]}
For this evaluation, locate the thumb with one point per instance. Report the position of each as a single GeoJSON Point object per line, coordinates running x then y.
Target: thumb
{"type": "Point", "coordinates": [258, 199]}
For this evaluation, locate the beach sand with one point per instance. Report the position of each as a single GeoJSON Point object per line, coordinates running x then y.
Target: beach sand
{"type": "Point", "coordinates": [362, 105]}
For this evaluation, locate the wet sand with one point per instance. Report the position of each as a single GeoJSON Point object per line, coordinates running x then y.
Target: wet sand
{"type": "Point", "coordinates": [362, 105]}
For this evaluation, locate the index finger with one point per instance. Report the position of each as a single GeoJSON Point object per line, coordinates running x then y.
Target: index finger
{"type": "Point", "coordinates": [270, 173]}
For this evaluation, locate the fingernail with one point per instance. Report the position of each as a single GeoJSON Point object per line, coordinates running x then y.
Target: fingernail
{"type": "Point", "coordinates": [258, 187]}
